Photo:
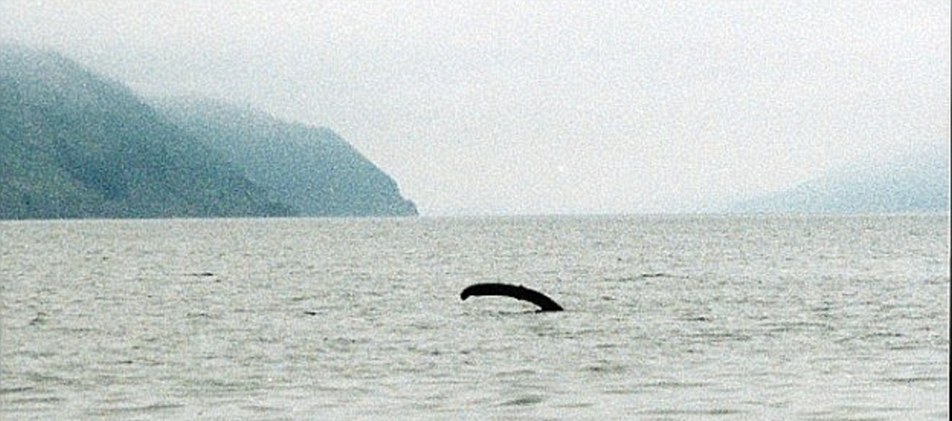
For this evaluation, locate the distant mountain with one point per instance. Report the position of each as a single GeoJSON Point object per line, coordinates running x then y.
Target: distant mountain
{"type": "Point", "coordinates": [311, 169]}
{"type": "Point", "coordinates": [75, 145]}
{"type": "Point", "coordinates": [914, 183]}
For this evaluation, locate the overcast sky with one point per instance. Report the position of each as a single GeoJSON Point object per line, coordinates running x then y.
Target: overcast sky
{"type": "Point", "coordinates": [547, 106]}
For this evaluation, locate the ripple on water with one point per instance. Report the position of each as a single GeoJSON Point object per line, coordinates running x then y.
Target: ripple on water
{"type": "Point", "coordinates": [525, 400]}
{"type": "Point", "coordinates": [130, 410]}
{"type": "Point", "coordinates": [676, 385]}
{"type": "Point", "coordinates": [605, 367]}
{"type": "Point", "coordinates": [24, 399]}
{"type": "Point", "coordinates": [681, 413]}
{"type": "Point", "coordinates": [917, 379]}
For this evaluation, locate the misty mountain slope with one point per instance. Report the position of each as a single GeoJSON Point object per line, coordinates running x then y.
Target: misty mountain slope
{"type": "Point", "coordinates": [75, 145]}
{"type": "Point", "coordinates": [913, 183]}
{"type": "Point", "coordinates": [311, 169]}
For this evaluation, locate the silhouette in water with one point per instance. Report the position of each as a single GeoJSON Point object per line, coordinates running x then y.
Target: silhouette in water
{"type": "Point", "coordinates": [518, 292]}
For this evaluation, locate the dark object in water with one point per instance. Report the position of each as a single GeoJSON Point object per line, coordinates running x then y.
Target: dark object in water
{"type": "Point", "coordinates": [201, 274]}
{"type": "Point", "coordinates": [518, 292]}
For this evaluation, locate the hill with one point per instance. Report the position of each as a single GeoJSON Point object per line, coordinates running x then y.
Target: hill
{"type": "Point", "coordinates": [309, 168]}
{"type": "Point", "coordinates": [76, 145]}
{"type": "Point", "coordinates": [918, 182]}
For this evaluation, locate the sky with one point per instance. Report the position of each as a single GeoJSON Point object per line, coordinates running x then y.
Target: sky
{"type": "Point", "coordinates": [545, 107]}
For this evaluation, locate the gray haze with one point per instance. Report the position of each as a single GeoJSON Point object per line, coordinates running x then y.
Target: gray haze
{"type": "Point", "coordinates": [547, 107]}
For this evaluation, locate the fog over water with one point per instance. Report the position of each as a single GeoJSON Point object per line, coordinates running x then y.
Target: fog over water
{"type": "Point", "coordinates": [539, 107]}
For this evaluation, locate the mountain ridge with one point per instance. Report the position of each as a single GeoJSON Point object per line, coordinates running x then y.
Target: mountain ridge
{"type": "Point", "coordinates": [911, 183]}
{"type": "Point", "coordinates": [310, 168]}
{"type": "Point", "coordinates": [74, 144]}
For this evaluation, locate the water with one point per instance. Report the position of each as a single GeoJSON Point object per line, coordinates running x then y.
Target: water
{"type": "Point", "coordinates": [813, 318]}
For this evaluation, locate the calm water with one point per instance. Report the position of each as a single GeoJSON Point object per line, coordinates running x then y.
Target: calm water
{"type": "Point", "coordinates": [667, 318]}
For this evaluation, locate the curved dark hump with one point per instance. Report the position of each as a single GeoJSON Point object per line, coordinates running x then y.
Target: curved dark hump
{"type": "Point", "coordinates": [479, 290]}
{"type": "Point", "coordinates": [518, 292]}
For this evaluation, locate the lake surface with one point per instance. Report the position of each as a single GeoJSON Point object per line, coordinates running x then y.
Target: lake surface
{"type": "Point", "coordinates": [667, 318]}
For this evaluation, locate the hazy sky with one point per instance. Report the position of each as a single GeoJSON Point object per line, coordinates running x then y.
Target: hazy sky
{"type": "Point", "coordinates": [547, 106]}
